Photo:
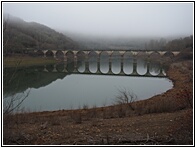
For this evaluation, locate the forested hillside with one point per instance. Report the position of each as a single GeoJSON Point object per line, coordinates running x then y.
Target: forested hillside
{"type": "Point", "coordinates": [185, 43]}
{"type": "Point", "coordinates": [19, 36]}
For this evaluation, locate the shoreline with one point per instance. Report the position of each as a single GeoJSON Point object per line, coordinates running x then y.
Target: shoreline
{"type": "Point", "coordinates": [176, 82]}
{"type": "Point", "coordinates": [161, 119]}
{"type": "Point", "coordinates": [24, 61]}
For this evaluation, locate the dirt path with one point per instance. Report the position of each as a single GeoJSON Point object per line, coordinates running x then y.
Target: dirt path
{"type": "Point", "coordinates": [165, 119]}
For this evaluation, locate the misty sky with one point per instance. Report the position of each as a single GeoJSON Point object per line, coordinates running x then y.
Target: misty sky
{"type": "Point", "coordinates": [109, 19]}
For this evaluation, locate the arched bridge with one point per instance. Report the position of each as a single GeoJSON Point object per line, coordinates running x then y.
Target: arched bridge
{"type": "Point", "coordinates": [77, 56]}
{"type": "Point", "coordinates": [78, 53]}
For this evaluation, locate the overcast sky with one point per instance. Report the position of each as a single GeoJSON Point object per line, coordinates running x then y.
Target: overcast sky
{"type": "Point", "coordinates": [110, 19]}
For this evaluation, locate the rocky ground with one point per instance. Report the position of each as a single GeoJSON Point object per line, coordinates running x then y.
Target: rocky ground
{"type": "Point", "coordinates": [165, 119]}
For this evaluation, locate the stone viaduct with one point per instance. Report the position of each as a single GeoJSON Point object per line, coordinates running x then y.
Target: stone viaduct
{"type": "Point", "coordinates": [108, 52]}
{"type": "Point", "coordinates": [76, 56]}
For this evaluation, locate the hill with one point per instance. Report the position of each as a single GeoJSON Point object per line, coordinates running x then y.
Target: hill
{"type": "Point", "coordinates": [19, 35]}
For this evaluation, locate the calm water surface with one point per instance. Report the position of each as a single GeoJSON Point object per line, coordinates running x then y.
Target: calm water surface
{"type": "Point", "coordinates": [52, 90]}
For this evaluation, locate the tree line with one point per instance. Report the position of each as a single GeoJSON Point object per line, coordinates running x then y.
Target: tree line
{"type": "Point", "coordinates": [185, 43]}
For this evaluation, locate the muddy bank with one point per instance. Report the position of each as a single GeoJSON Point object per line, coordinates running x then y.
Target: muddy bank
{"type": "Point", "coordinates": [164, 119]}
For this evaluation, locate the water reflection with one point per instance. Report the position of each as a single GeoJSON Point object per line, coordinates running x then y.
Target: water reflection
{"type": "Point", "coordinates": [70, 67]}
{"type": "Point", "coordinates": [66, 85]}
{"type": "Point", "coordinates": [128, 63]}
{"type": "Point", "coordinates": [93, 62]}
{"type": "Point", "coordinates": [104, 62]}
{"type": "Point", "coordinates": [116, 62]}
{"type": "Point", "coordinates": [33, 75]}
{"type": "Point", "coordinates": [60, 67]}
{"type": "Point", "coordinates": [155, 68]}
{"type": "Point", "coordinates": [81, 68]}
{"type": "Point", "coordinates": [141, 63]}
{"type": "Point", "coordinates": [81, 60]}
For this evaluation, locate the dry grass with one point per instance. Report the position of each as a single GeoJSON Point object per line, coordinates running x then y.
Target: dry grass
{"type": "Point", "coordinates": [20, 61]}
{"type": "Point", "coordinates": [167, 113]}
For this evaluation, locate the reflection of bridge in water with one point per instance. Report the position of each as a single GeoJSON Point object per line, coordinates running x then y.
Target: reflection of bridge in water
{"type": "Point", "coordinates": [73, 68]}
{"type": "Point", "coordinates": [76, 57]}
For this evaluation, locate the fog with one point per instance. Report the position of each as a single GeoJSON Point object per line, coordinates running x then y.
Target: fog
{"type": "Point", "coordinates": [109, 19]}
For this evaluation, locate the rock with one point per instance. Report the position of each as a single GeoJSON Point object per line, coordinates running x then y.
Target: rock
{"type": "Point", "coordinates": [44, 126]}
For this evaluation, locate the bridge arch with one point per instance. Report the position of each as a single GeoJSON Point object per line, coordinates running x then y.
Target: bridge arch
{"type": "Point", "coordinates": [70, 61]}
{"type": "Point", "coordinates": [115, 62]}
{"type": "Point", "coordinates": [128, 54]}
{"type": "Point", "coordinates": [60, 67]}
{"type": "Point", "coordinates": [50, 67]}
{"type": "Point", "coordinates": [40, 53]}
{"type": "Point", "coordinates": [81, 56]}
{"type": "Point", "coordinates": [94, 61]}
{"type": "Point", "coordinates": [60, 54]}
{"type": "Point", "coordinates": [49, 53]}
{"type": "Point", "coordinates": [142, 55]}
{"type": "Point", "coordinates": [128, 60]}
{"type": "Point", "coordinates": [93, 53]}
{"type": "Point", "coordinates": [154, 68]}
{"type": "Point", "coordinates": [70, 56]}
{"type": "Point", "coordinates": [104, 62]}
{"type": "Point", "coordinates": [81, 61]}
{"type": "Point", "coordinates": [169, 54]}
{"type": "Point", "coordinates": [155, 55]}
{"type": "Point", "coordinates": [142, 66]}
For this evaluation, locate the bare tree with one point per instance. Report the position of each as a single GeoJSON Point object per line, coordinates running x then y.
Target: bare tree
{"type": "Point", "coordinates": [125, 97]}
{"type": "Point", "coordinates": [5, 28]}
{"type": "Point", "coordinates": [13, 102]}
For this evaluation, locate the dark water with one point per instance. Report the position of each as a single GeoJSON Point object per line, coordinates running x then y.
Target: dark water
{"type": "Point", "coordinates": [65, 86]}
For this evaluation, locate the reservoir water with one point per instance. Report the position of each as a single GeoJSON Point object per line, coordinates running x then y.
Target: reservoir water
{"type": "Point", "coordinates": [72, 86]}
